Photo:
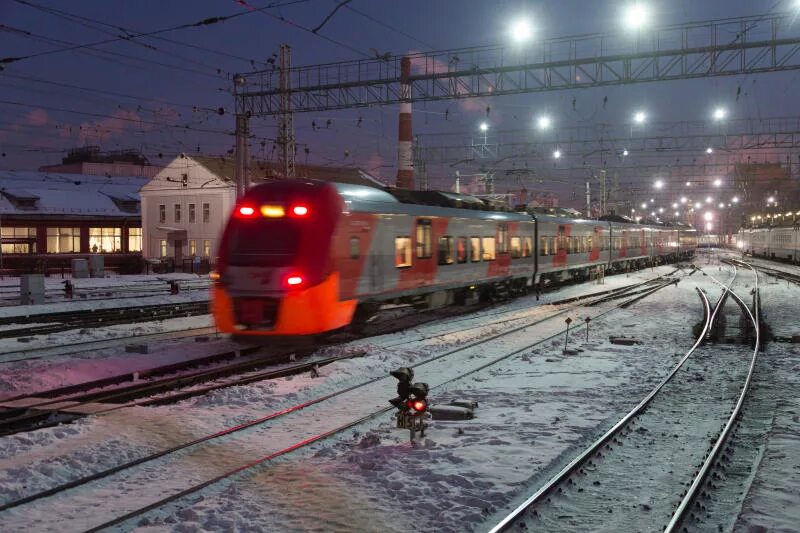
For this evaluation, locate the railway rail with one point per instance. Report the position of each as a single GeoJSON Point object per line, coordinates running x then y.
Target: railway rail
{"type": "Point", "coordinates": [567, 501]}
{"type": "Point", "coordinates": [45, 323]}
{"type": "Point", "coordinates": [329, 401]}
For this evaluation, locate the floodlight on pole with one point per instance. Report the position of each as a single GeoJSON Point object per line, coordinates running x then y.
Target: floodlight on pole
{"type": "Point", "coordinates": [659, 184]}
{"type": "Point", "coordinates": [720, 113]}
{"type": "Point", "coordinates": [543, 122]}
{"type": "Point", "coordinates": [717, 182]}
{"type": "Point", "coordinates": [644, 205]}
{"type": "Point", "coordinates": [557, 154]}
{"type": "Point", "coordinates": [708, 216]}
{"type": "Point", "coordinates": [636, 16]}
{"type": "Point", "coordinates": [484, 126]}
{"type": "Point", "coordinates": [709, 150]}
{"type": "Point", "coordinates": [684, 199]}
{"type": "Point", "coordinates": [520, 31]}
{"type": "Point", "coordinates": [735, 199]}
{"type": "Point", "coordinates": [625, 152]}
{"type": "Point", "coordinates": [639, 117]}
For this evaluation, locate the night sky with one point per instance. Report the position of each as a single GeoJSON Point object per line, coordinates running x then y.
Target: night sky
{"type": "Point", "coordinates": [143, 93]}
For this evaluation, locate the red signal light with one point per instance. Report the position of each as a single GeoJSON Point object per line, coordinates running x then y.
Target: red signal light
{"type": "Point", "coordinates": [300, 211]}
{"type": "Point", "coordinates": [246, 211]}
{"type": "Point", "coordinates": [418, 405]}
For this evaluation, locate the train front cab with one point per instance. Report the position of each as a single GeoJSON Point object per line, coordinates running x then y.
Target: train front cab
{"type": "Point", "coordinates": [276, 274]}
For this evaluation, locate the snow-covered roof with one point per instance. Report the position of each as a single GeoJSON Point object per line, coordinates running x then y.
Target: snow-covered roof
{"type": "Point", "coordinates": [42, 193]}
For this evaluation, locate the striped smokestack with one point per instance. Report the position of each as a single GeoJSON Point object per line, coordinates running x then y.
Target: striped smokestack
{"type": "Point", "coordinates": [405, 165]}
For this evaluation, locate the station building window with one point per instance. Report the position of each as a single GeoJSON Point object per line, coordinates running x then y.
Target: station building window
{"type": "Point", "coordinates": [192, 216]}
{"type": "Point", "coordinates": [177, 213]}
{"type": "Point", "coordinates": [134, 239]}
{"type": "Point", "coordinates": [488, 245]}
{"type": "Point", "coordinates": [192, 247]}
{"type": "Point", "coordinates": [18, 240]}
{"type": "Point", "coordinates": [446, 250]}
{"type": "Point", "coordinates": [105, 240]}
{"type": "Point", "coordinates": [63, 240]}
{"type": "Point", "coordinates": [461, 250]}
{"type": "Point", "coordinates": [424, 239]}
{"type": "Point", "coordinates": [474, 249]}
{"type": "Point", "coordinates": [206, 248]}
{"type": "Point", "coordinates": [402, 252]}
{"type": "Point", "coordinates": [162, 245]}
{"type": "Point", "coordinates": [206, 213]}
{"type": "Point", "coordinates": [162, 213]}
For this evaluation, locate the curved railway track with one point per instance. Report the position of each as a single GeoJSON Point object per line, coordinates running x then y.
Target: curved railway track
{"type": "Point", "coordinates": [284, 435]}
{"type": "Point", "coordinates": [604, 487]}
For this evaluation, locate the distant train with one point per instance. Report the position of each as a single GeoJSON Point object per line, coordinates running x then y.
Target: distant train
{"type": "Point", "coordinates": [301, 257]}
{"type": "Point", "coordinates": [776, 242]}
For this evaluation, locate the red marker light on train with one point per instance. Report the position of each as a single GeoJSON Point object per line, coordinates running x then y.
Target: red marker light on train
{"type": "Point", "coordinates": [300, 211]}
{"type": "Point", "coordinates": [294, 281]}
{"type": "Point", "coordinates": [246, 211]}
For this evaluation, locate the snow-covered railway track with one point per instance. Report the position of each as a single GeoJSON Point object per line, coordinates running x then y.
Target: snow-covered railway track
{"type": "Point", "coordinates": [657, 456]}
{"type": "Point", "coordinates": [45, 323]}
{"type": "Point", "coordinates": [223, 456]}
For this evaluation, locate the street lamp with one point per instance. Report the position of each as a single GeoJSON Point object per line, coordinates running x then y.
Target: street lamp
{"type": "Point", "coordinates": [709, 150]}
{"type": "Point", "coordinates": [520, 31]}
{"type": "Point", "coordinates": [720, 113]}
{"type": "Point", "coordinates": [484, 126]}
{"type": "Point", "coordinates": [659, 184]}
{"type": "Point", "coordinates": [625, 152]}
{"type": "Point", "coordinates": [639, 117]}
{"type": "Point", "coordinates": [557, 154]}
{"type": "Point", "coordinates": [709, 199]}
{"type": "Point", "coordinates": [684, 199]}
{"type": "Point", "coordinates": [543, 122]}
{"type": "Point", "coordinates": [735, 199]}
{"type": "Point", "coordinates": [675, 205]}
{"type": "Point", "coordinates": [636, 16]}
{"type": "Point", "coordinates": [717, 182]}
{"type": "Point", "coordinates": [644, 205]}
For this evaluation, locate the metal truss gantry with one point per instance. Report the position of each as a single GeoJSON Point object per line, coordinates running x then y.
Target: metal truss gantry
{"type": "Point", "coordinates": [746, 45]}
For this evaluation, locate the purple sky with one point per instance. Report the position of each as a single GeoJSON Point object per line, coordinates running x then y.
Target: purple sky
{"type": "Point", "coordinates": [144, 92]}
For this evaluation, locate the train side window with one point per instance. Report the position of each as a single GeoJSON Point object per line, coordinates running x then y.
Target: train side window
{"type": "Point", "coordinates": [446, 250]}
{"type": "Point", "coordinates": [544, 246]}
{"type": "Point", "coordinates": [516, 247]}
{"type": "Point", "coordinates": [502, 238]}
{"type": "Point", "coordinates": [402, 252]}
{"type": "Point", "coordinates": [461, 250]}
{"type": "Point", "coordinates": [589, 243]}
{"type": "Point", "coordinates": [489, 252]}
{"type": "Point", "coordinates": [474, 249]}
{"type": "Point", "coordinates": [424, 238]}
{"type": "Point", "coordinates": [527, 247]}
{"type": "Point", "coordinates": [355, 247]}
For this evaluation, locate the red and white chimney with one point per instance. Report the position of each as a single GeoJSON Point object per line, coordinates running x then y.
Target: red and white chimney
{"type": "Point", "coordinates": [405, 159]}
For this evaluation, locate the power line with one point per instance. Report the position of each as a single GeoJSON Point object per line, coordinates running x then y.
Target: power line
{"type": "Point", "coordinates": [201, 23]}
{"type": "Point", "coordinates": [131, 35]}
{"type": "Point", "coordinates": [388, 26]}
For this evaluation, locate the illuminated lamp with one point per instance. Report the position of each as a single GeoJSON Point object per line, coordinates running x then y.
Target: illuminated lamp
{"type": "Point", "coordinates": [300, 211]}
{"type": "Point", "coordinates": [273, 211]}
{"type": "Point", "coordinates": [294, 280]}
{"type": "Point", "coordinates": [246, 211]}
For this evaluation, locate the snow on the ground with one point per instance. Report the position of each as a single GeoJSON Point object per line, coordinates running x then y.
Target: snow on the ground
{"type": "Point", "coordinates": [535, 410]}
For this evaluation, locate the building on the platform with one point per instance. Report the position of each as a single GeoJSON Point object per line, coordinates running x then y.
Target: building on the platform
{"type": "Point", "coordinates": [90, 161]}
{"type": "Point", "coordinates": [186, 205]}
{"type": "Point", "coordinates": [46, 219]}
{"type": "Point", "coordinates": [544, 199]}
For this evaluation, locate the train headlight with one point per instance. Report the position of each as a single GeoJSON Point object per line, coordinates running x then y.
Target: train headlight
{"type": "Point", "coordinates": [246, 211]}
{"type": "Point", "coordinates": [300, 210]}
{"type": "Point", "coordinates": [294, 281]}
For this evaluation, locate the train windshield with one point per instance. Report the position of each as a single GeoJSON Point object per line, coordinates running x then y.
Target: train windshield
{"type": "Point", "coordinates": [262, 242]}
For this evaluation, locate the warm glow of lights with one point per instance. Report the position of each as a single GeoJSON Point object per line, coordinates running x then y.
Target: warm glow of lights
{"type": "Point", "coordinates": [644, 205]}
{"type": "Point", "coordinates": [771, 199]}
{"type": "Point", "coordinates": [246, 211]}
{"type": "Point", "coordinates": [273, 211]}
{"type": "Point", "coordinates": [721, 205]}
{"type": "Point", "coordinates": [708, 216]}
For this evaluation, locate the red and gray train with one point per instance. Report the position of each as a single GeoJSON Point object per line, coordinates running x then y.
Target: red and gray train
{"type": "Point", "coordinates": [779, 242]}
{"type": "Point", "coordinates": [302, 257]}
